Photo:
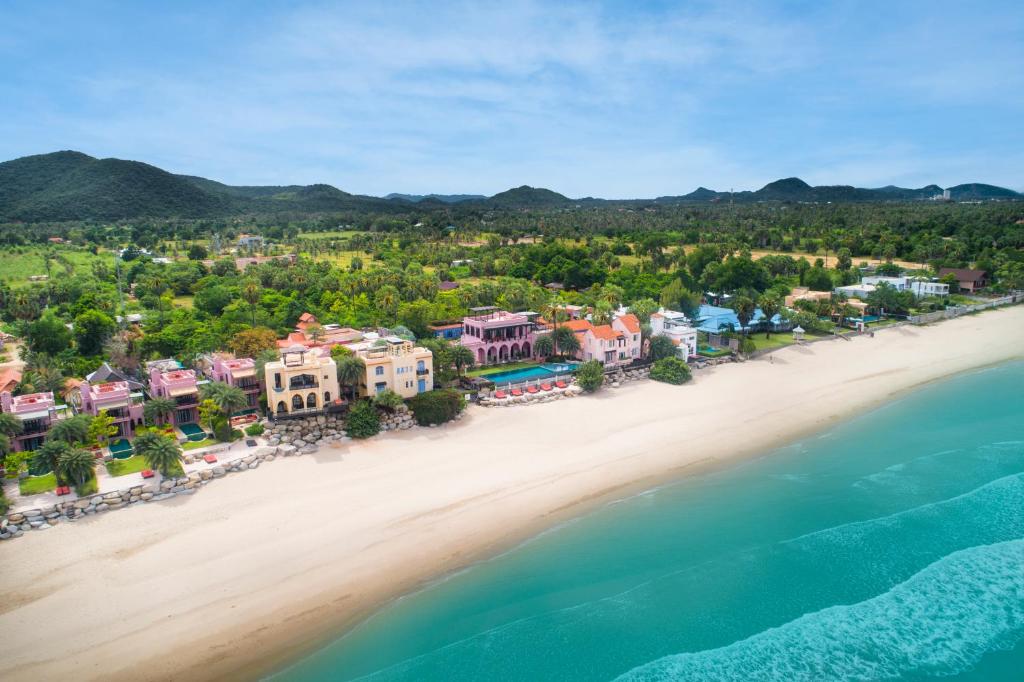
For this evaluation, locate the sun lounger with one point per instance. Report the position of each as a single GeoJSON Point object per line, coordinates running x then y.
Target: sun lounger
{"type": "Point", "coordinates": [147, 473]}
{"type": "Point", "coordinates": [63, 490]}
{"type": "Point", "coordinates": [500, 395]}
{"type": "Point", "coordinates": [210, 459]}
{"type": "Point", "coordinates": [545, 387]}
{"type": "Point", "coordinates": [516, 392]}
{"type": "Point", "coordinates": [531, 389]}
{"type": "Point", "coordinates": [560, 384]}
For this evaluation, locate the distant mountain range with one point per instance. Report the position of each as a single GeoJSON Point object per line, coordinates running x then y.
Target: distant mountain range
{"type": "Point", "coordinates": [70, 185]}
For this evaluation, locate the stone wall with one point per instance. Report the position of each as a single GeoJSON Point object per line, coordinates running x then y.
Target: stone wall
{"type": "Point", "coordinates": [284, 439]}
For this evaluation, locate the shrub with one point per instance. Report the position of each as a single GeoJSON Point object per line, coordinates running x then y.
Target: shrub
{"type": "Point", "coordinates": [747, 345]}
{"type": "Point", "coordinates": [254, 429]}
{"type": "Point", "coordinates": [363, 420]}
{"type": "Point", "coordinates": [661, 347]}
{"type": "Point", "coordinates": [90, 487]}
{"type": "Point", "coordinates": [590, 375]}
{"type": "Point", "coordinates": [388, 400]}
{"type": "Point", "coordinates": [671, 371]}
{"type": "Point", "coordinates": [437, 407]}
{"type": "Point", "coordinates": [223, 432]}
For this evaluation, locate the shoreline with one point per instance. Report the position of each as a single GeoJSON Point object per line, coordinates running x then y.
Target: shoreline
{"type": "Point", "coordinates": [242, 585]}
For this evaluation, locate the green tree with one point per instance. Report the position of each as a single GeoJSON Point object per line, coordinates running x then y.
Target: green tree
{"type": "Point", "coordinates": [92, 329]}
{"type": "Point", "coordinates": [461, 357]}
{"type": "Point", "coordinates": [351, 370]}
{"type": "Point", "coordinates": [388, 400]}
{"type": "Point", "coordinates": [565, 340]}
{"type": "Point", "coordinates": [363, 420]}
{"type": "Point", "coordinates": [252, 292]}
{"type": "Point", "coordinates": [48, 335]}
{"type": "Point", "coordinates": [544, 347]}
{"type": "Point", "coordinates": [436, 407]}
{"type": "Point", "coordinates": [228, 399]}
{"type": "Point", "coordinates": [590, 375]}
{"type": "Point", "coordinates": [643, 309]}
{"type": "Point", "coordinates": [46, 457]}
{"type": "Point", "coordinates": [71, 430]}
{"type": "Point", "coordinates": [661, 347]}
{"type": "Point", "coordinates": [770, 305]}
{"type": "Point", "coordinates": [744, 307]}
{"type": "Point", "coordinates": [161, 453]}
{"type": "Point", "coordinates": [102, 428]}
{"type": "Point", "coordinates": [677, 297]}
{"type": "Point", "coordinates": [671, 371]}
{"type": "Point", "coordinates": [76, 465]}
{"type": "Point", "coordinates": [10, 426]}
{"type": "Point", "coordinates": [158, 410]}
{"type": "Point", "coordinates": [210, 413]}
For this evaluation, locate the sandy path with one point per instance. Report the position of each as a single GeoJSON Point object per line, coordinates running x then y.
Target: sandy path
{"type": "Point", "coordinates": [234, 579]}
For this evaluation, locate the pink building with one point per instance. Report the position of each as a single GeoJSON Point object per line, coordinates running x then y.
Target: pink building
{"type": "Point", "coordinates": [117, 398]}
{"type": "Point", "coordinates": [37, 412]}
{"type": "Point", "coordinates": [241, 373]}
{"type": "Point", "coordinates": [498, 336]}
{"type": "Point", "coordinates": [613, 345]}
{"type": "Point", "coordinates": [168, 380]}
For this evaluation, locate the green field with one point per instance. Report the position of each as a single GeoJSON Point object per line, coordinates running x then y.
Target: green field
{"type": "Point", "coordinates": [123, 467]}
{"type": "Point", "coordinates": [33, 485]}
{"type": "Point", "coordinates": [22, 262]}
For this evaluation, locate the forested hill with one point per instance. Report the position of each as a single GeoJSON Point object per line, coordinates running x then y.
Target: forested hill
{"type": "Point", "coordinates": [69, 185]}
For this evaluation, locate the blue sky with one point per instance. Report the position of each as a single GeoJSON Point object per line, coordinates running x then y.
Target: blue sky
{"type": "Point", "coordinates": [602, 99]}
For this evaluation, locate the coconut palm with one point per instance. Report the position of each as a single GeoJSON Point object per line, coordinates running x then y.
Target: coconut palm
{"type": "Point", "coordinates": [158, 410]}
{"type": "Point", "coordinates": [565, 339]}
{"type": "Point", "coordinates": [161, 453]}
{"type": "Point", "coordinates": [461, 357]}
{"type": "Point", "coordinates": [351, 370]}
{"type": "Point", "coordinates": [251, 294]}
{"type": "Point", "coordinates": [46, 457]}
{"type": "Point", "coordinates": [76, 465]}
{"type": "Point", "coordinates": [229, 399]}
{"type": "Point", "coordinates": [10, 425]}
{"type": "Point", "coordinates": [770, 306]}
{"type": "Point", "coordinates": [72, 430]}
{"type": "Point", "coordinates": [544, 347]}
{"type": "Point", "coordinates": [744, 307]}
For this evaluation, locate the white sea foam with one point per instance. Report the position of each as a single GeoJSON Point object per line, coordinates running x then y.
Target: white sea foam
{"type": "Point", "coordinates": [940, 621]}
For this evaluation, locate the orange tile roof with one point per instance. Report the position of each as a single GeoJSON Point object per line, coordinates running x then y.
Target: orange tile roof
{"type": "Point", "coordinates": [577, 326]}
{"type": "Point", "coordinates": [605, 331]}
{"type": "Point", "coordinates": [9, 379]}
{"type": "Point", "coordinates": [631, 322]}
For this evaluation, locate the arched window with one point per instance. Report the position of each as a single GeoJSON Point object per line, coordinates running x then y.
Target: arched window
{"type": "Point", "coordinates": [379, 370]}
{"type": "Point", "coordinates": [296, 402]}
{"type": "Point", "coordinates": [281, 409]}
{"type": "Point", "coordinates": [327, 397]}
{"type": "Point", "coordinates": [311, 400]}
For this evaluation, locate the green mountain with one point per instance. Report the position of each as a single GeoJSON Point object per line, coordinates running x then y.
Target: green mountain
{"type": "Point", "coordinates": [443, 198]}
{"type": "Point", "coordinates": [529, 197]}
{"type": "Point", "coordinates": [796, 190]}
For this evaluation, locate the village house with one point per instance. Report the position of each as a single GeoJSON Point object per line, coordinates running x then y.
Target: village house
{"type": "Point", "coordinates": [969, 280]}
{"type": "Point", "coordinates": [240, 373]}
{"type": "Point", "coordinates": [118, 398]}
{"type": "Point", "coordinates": [395, 364]}
{"type": "Point", "coordinates": [676, 326]}
{"type": "Point", "coordinates": [495, 335]}
{"type": "Point", "coordinates": [167, 379]}
{"type": "Point", "coordinates": [38, 412]}
{"type": "Point", "coordinates": [301, 382]}
{"type": "Point", "coordinates": [613, 345]}
{"type": "Point", "coordinates": [311, 334]}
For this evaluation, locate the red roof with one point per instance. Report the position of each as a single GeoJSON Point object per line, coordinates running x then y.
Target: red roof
{"type": "Point", "coordinates": [577, 326]}
{"type": "Point", "coordinates": [9, 379]}
{"type": "Point", "coordinates": [632, 323]}
{"type": "Point", "coordinates": [605, 331]}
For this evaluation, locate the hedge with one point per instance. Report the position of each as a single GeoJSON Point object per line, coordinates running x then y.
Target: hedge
{"type": "Point", "coordinates": [670, 371]}
{"type": "Point", "coordinates": [363, 420]}
{"type": "Point", "coordinates": [436, 407]}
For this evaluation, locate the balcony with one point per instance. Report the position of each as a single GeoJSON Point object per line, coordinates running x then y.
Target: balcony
{"type": "Point", "coordinates": [422, 372]}
{"type": "Point", "coordinates": [190, 399]}
{"type": "Point", "coordinates": [294, 385]}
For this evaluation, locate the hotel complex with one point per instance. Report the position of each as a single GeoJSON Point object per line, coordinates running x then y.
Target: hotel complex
{"type": "Point", "coordinates": [302, 381]}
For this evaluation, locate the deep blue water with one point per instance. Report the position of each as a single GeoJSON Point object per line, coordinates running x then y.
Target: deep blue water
{"type": "Point", "coordinates": [891, 547]}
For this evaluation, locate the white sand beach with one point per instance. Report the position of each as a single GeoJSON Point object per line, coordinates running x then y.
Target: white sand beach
{"type": "Point", "coordinates": [256, 568]}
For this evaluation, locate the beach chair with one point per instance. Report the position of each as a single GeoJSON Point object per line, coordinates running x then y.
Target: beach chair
{"type": "Point", "coordinates": [500, 395]}
{"type": "Point", "coordinates": [545, 387]}
{"type": "Point", "coordinates": [561, 384]}
{"type": "Point", "coordinates": [531, 389]}
{"type": "Point", "coordinates": [62, 490]}
{"type": "Point", "coordinates": [516, 393]}
{"type": "Point", "coordinates": [210, 459]}
{"type": "Point", "coordinates": [147, 473]}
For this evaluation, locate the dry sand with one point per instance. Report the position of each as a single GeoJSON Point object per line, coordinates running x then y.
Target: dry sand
{"type": "Point", "coordinates": [234, 580]}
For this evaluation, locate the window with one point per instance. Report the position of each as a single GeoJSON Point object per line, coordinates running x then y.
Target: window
{"type": "Point", "coordinates": [379, 371]}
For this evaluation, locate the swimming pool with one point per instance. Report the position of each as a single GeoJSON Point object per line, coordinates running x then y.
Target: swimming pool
{"type": "Point", "coordinates": [546, 371]}
{"type": "Point", "coordinates": [120, 449]}
{"type": "Point", "coordinates": [192, 431]}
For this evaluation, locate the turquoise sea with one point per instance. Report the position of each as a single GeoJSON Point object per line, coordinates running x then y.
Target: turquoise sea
{"type": "Point", "coordinates": [891, 547]}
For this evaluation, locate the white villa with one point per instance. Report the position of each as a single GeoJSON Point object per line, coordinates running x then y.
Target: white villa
{"type": "Point", "coordinates": [921, 288]}
{"type": "Point", "coordinates": [675, 326]}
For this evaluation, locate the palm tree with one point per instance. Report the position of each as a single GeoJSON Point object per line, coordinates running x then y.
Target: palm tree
{"type": "Point", "coordinates": [161, 453]}
{"type": "Point", "coordinates": [770, 306]}
{"type": "Point", "coordinates": [461, 357]}
{"type": "Point", "coordinates": [46, 457]}
{"type": "Point", "coordinates": [553, 307]}
{"type": "Point", "coordinates": [315, 333]}
{"type": "Point", "coordinates": [351, 370]}
{"type": "Point", "coordinates": [77, 465]}
{"type": "Point", "coordinates": [744, 307]}
{"type": "Point", "coordinates": [10, 425]}
{"type": "Point", "coordinates": [565, 339]}
{"type": "Point", "coordinates": [544, 346]}
{"type": "Point", "coordinates": [229, 399]}
{"type": "Point", "coordinates": [72, 430]}
{"type": "Point", "coordinates": [251, 294]}
{"type": "Point", "coordinates": [158, 410]}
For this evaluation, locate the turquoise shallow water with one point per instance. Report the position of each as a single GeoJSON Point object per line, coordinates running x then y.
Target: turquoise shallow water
{"type": "Point", "coordinates": [891, 547]}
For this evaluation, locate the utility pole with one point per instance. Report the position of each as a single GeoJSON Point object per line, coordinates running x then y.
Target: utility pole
{"type": "Point", "coordinates": [120, 289]}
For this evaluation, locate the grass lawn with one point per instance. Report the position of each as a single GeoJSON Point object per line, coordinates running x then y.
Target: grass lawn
{"type": "Point", "coordinates": [328, 235]}
{"type": "Point", "coordinates": [21, 262]}
{"type": "Point", "coordinates": [343, 259]}
{"type": "Point", "coordinates": [193, 445]}
{"type": "Point", "coordinates": [773, 341]}
{"type": "Point", "coordinates": [183, 301]}
{"type": "Point", "coordinates": [33, 485]}
{"type": "Point", "coordinates": [491, 369]}
{"type": "Point", "coordinates": [123, 467]}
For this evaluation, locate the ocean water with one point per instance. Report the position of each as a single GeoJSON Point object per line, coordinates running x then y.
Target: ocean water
{"type": "Point", "coordinates": [891, 547]}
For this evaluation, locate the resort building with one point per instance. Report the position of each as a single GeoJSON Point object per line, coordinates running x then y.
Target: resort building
{"type": "Point", "coordinates": [116, 397]}
{"type": "Point", "coordinates": [919, 287]}
{"type": "Point", "coordinates": [613, 345]}
{"type": "Point", "coordinates": [167, 379]}
{"type": "Point", "coordinates": [676, 326]}
{"type": "Point", "coordinates": [241, 373]}
{"type": "Point", "coordinates": [37, 412]}
{"type": "Point", "coordinates": [969, 280]}
{"type": "Point", "coordinates": [713, 319]}
{"type": "Point", "coordinates": [805, 294]}
{"type": "Point", "coordinates": [498, 336]}
{"type": "Point", "coordinates": [302, 382]}
{"type": "Point", "coordinates": [396, 364]}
